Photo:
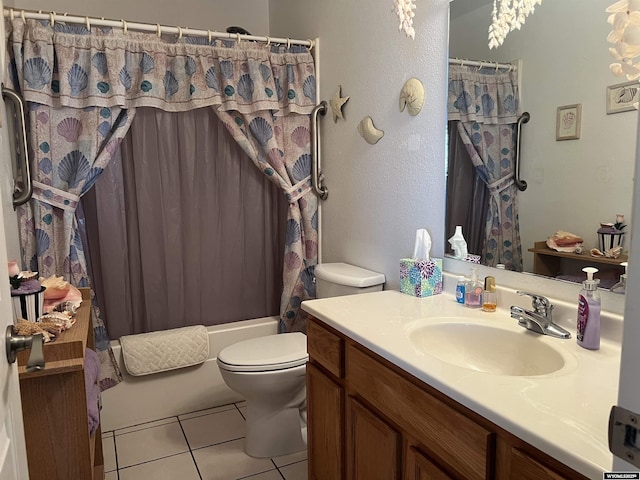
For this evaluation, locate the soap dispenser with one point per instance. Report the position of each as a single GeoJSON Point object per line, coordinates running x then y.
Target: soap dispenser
{"type": "Point", "coordinates": [621, 286]}
{"type": "Point", "coordinates": [473, 291]}
{"type": "Point", "coordinates": [589, 312]}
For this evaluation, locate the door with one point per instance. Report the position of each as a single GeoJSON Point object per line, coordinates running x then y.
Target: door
{"type": "Point", "coordinates": [629, 389]}
{"type": "Point", "coordinates": [324, 402]}
{"type": "Point", "coordinates": [13, 456]}
{"type": "Point", "coordinates": [373, 447]}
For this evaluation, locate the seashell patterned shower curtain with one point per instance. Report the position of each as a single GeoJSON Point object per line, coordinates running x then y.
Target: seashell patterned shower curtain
{"type": "Point", "coordinates": [484, 106]}
{"type": "Point", "coordinates": [82, 88]}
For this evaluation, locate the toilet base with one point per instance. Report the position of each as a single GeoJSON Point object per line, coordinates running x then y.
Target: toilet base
{"type": "Point", "coordinates": [271, 433]}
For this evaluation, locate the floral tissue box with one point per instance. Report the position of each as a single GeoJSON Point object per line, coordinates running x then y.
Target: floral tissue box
{"type": "Point", "coordinates": [421, 278]}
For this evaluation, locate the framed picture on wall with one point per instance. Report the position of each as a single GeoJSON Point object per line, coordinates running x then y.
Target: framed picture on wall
{"type": "Point", "coordinates": [622, 97]}
{"type": "Point", "coordinates": [568, 122]}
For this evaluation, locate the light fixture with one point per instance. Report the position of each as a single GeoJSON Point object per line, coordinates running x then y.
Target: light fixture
{"type": "Point", "coordinates": [625, 36]}
{"type": "Point", "coordinates": [508, 15]}
{"type": "Point", "coordinates": [405, 11]}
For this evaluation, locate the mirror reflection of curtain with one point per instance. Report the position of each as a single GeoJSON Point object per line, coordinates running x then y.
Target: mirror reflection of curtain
{"type": "Point", "coordinates": [183, 228]}
{"type": "Point", "coordinates": [484, 105]}
{"type": "Point", "coordinates": [470, 203]}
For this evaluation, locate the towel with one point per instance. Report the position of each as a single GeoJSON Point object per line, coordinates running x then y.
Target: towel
{"type": "Point", "coordinates": [91, 373]}
{"type": "Point", "coordinates": [155, 352]}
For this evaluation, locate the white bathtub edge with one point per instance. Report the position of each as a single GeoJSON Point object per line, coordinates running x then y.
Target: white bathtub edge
{"type": "Point", "coordinates": [142, 399]}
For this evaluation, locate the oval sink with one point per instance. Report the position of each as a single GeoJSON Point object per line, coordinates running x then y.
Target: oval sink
{"type": "Point", "coordinates": [488, 349]}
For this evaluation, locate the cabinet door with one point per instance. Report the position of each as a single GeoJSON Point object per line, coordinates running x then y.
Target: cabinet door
{"type": "Point", "coordinates": [373, 447]}
{"type": "Point", "coordinates": [324, 426]}
{"type": "Point", "coordinates": [419, 467]}
{"type": "Point", "coordinates": [523, 467]}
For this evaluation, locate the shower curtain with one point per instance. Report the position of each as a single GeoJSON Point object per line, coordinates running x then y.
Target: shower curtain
{"type": "Point", "coordinates": [484, 106]}
{"type": "Point", "coordinates": [183, 229]}
{"type": "Point", "coordinates": [82, 88]}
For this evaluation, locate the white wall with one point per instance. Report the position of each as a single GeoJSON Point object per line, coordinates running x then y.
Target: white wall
{"type": "Point", "coordinates": [378, 194]}
{"type": "Point", "coordinates": [205, 14]}
{"type": "Point", "coordinates": [574, 184]}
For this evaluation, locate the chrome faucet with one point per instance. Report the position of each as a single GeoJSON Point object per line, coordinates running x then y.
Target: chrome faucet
{"type": "Point", "coordinates": [540, 319]}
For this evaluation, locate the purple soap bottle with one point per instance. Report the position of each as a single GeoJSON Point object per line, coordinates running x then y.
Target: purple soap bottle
{"type": "Point", "coordinates": [589, 312]}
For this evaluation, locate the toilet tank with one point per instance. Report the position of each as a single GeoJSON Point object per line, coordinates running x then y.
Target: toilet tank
{"type": "Point", "coordinates": [337, 279]}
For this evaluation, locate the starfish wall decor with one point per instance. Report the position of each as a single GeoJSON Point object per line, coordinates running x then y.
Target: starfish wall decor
{"type": "Point", "coordinates": [336, 103]}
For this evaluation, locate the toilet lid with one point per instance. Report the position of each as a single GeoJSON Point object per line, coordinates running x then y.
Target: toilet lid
{"type": "Point", "coordinates": [273, 352]}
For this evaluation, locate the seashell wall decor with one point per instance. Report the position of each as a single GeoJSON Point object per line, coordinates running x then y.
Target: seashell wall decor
{"type": "Point", "coordinates": [368, 131]}
{"type": "Point", "coordinates": [412, 96]}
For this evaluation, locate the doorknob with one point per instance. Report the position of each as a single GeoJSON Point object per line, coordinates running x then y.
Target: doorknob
{"type": "Point", "coordinates": [16, 343]}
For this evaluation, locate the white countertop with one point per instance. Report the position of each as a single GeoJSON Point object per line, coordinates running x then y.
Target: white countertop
{"type": "Point", "coordinates": [564, 414]}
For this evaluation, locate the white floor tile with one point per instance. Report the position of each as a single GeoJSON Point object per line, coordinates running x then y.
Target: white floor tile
{"type": "Point", "coordinates": [243, 411]}
{"type": "Point", "coordinates": [150, 444]}
{"type": "Point", "coordinates": [295, 471]}
{"type": "Point", "coordinates": [228, 461]}
{"type": "Point", "coordinates": [109, 453]}
{"type": "Point", "coordinates": [214, 428]}
{"type": "Point", "coordinates": [200, 413]}
{"type": "Point", "coordinates": [169, 468]}
{"type": "Point", "coordinates": [143, 426]}
{"type": "Point", "coordinates": [270, 475]}
{"type": "Point", "coordinates": [283, 460]}
{"type": "Point", "coordinates": [111, 476]}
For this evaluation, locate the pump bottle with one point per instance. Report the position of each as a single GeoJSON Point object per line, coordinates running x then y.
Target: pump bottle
{"type": "Point", "coordinates": [589, 312]}
{"type": "Point", "coordinates": [621, 286]}
{"type": "Point", "coordinates": [473, 291]}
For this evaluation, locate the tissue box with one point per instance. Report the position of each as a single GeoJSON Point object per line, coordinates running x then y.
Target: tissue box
{"type": "Point", "coordinates": [421, 278]}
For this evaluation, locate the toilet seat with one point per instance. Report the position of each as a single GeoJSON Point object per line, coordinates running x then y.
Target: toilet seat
{"type": "Point", "coordinates": [264, 354]}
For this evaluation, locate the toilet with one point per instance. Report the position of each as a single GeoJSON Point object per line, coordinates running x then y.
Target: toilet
{"type": "Point", "coordinates": [269, 372]}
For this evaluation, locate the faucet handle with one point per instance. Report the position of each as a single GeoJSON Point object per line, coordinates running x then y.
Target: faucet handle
{"type": "Point", "coordinates": [541, 304]}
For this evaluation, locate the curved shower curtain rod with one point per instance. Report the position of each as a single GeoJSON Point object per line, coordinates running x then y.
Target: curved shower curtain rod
{"type": "Point", "coordinates": [147, 27]}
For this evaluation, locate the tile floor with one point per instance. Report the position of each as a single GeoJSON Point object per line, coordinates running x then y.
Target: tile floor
{"type": "Point", "coordinates": [203, 445]}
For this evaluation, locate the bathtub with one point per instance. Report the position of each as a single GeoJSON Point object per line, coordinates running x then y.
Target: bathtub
{"type": "Point", "coordinates": [141, 399]}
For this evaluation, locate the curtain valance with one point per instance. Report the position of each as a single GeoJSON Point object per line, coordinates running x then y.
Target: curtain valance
{"type": "Point", "coordinates": [482, 95]}
{"type": "Point", "coordinates": [74, 67]}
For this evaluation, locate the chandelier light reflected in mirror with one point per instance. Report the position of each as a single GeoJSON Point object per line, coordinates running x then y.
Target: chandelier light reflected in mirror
{"type": "Point", "coordinates": [507, 16]}
{"type": "Point", "coordinates": [625, 36]}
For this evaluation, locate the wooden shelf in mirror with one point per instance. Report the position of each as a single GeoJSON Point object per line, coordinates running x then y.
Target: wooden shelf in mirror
{"type": "Point", "coordinates": [549, 262]}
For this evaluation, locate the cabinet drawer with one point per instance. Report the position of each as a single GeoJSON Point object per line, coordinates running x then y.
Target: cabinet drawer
{"type": "Point", "coordinates": [448, 434]}
{"type": "Point", "coordinates": [325, 347]}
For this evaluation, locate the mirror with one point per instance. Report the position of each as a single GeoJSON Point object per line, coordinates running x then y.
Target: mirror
{"type": "Point", "coordinates": [573, 184]}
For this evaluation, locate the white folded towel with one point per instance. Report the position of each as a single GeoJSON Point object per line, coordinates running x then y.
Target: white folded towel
{"type": "Point", "coordinates": [155, 352]}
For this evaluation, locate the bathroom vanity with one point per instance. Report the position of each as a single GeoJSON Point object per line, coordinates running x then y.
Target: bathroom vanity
{"type": "Point", "coordinates": [381, 407]}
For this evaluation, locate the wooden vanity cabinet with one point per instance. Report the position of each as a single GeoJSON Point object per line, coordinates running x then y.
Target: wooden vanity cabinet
{"type": "Point", "coordinates": [54, 407]}
{"type": "Point", "coordinates": [368, 419]}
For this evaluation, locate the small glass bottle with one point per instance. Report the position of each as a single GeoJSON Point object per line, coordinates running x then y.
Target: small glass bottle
{"type": "Point", "coordinates": [473, 291]}
{"type": "Point", "coordinates": [489, 295]}
{"type": "Point", "coordinates": [460, 287]}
